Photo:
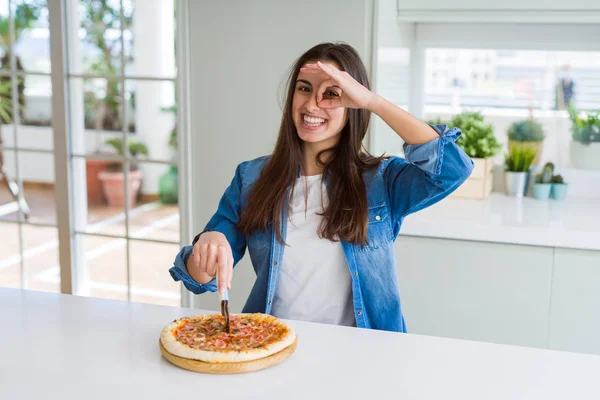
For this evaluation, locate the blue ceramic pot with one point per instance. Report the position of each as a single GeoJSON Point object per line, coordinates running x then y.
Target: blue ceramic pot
{"type": "Point", "coordinates": [541, 191]}
{"type": "Point", "coordinates": [559, 191]}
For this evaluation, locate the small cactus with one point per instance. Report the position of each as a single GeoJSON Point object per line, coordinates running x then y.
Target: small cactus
{"type": "Point", "coordinates": [539, 178]}
{"type": "Point", "coordinates": [547, 173]}
{"type": "Point", "coordinates": [557, 179]}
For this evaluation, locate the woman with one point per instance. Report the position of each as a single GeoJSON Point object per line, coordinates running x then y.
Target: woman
{"type": "Point", "coordinates": [319, 216]}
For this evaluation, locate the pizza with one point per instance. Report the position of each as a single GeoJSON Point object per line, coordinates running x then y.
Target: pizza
{"type": "Point", "coordinates": [204, 337]}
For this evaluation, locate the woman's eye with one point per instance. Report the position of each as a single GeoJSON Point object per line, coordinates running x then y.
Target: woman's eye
{"type": "Point", "coordinates": [304, 89]}
{"type": "Point", "coordinates": [331, 93]}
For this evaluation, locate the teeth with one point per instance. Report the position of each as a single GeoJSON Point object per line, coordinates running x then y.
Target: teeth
{"type": "Point", "coordinates": [313, 120]}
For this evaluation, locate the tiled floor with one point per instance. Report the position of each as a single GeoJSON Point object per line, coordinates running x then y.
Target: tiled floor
{"type": "Point", "coordinates": [105, 259]}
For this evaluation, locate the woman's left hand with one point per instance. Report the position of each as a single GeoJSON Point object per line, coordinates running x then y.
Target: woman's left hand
{"type": "Point", "coordinates": [354, 95]}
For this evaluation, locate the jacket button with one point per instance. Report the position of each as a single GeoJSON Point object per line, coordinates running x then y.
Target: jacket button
{"type": "Point", "coordinates": [359, 312]}
{"type": "Point", "coordinates": [355, 273]}
{"type": "Point", "coordinates": [275, 263]}
{"type": "Point", "coordinates": [270, 301]}
{"type": "Point", "coordinates": [377, 218]}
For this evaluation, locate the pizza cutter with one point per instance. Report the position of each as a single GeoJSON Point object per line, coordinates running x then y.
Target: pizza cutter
{"type": "Point", "coordinates": [224, 298]}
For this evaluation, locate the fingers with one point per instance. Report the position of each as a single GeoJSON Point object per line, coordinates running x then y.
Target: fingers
{"type": "Point", "coordinates": [196, 255]}
{"type": "Point", "coordinates": [211, 259]}
{"type": "Point", "coordinates": [212, 255]}
{"type": "Point", "coordinates": [223, 266]}
{"type": "Point", "coordinates": [330, 103]}
{"type": "Point", "coordinates": [230, 269]}
{"type": "Point", "coordinates": [203, 256]}
{"type": "Point", "coordinates": [323, 87]}
{"type": "Point", "coordinates": [329, 69]}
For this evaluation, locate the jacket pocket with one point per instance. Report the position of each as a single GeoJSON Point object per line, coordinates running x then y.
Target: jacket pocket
{"type": "Point", "coordinates": [379, 228]}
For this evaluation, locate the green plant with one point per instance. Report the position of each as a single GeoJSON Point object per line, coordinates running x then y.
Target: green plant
{"type": "Point", "coordinates": [5, 103]}
{"type": "Point", "coordinates": [135, 149]}
{"type": "Point", "coordinates": [519, 159]}
{"type": "Point", "coordinates": [173, 137]}
{"type": "Point", "coordinates": [25, 16]}
{"type": "Point", "coordinates": [527, 130]}
{"type": "Point", "coordinates": [99, 19]}
{"type": "Point", "coordinates": [477, 138]}
{"type": "Point", "coordinates": [546, 175]}
{"type": "Point", "coordinates": [557, 179]}
{"type": "Point", "coordinates": [585, 126]}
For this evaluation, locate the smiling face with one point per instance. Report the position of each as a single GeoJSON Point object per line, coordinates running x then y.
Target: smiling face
{"type": "Point", "coordinates": [317, 127]}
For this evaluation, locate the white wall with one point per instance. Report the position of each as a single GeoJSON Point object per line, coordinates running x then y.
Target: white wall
{"type": "Point", "coordinates": [240, 54]}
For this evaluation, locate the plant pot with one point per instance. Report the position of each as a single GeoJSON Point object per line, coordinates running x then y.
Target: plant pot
{"type": "Point", "coordinates": [515, 183]}
{"type": "Point", "coordinates": [537, 146]}
{"type": "Point", "coordinates": [114, 188]}
{"type": "Point", "coordinates": [541, 191]}
{"type": "Point", "coordinates": [585, 156]}
{"type": "Point", "coordinates": [95, 195]}
{"type": "Point", "coordinates": [559, 191]}
{"type": "Point", "coordinates": [168, 186]}
{"type": "Point", "coordinates": [479, 184]}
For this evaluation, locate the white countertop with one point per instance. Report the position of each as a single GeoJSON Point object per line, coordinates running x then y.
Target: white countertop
{"type": "Point", "coordinates": [67, 347]}
{"type": "Point", "coordinates": [573, 223]}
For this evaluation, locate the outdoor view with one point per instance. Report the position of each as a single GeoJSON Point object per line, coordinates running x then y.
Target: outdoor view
{"type": "Point", "coordinates": [122, 82]}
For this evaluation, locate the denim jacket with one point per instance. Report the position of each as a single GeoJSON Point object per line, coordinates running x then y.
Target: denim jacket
{"type": "Point", "coordinates": [397, 188]}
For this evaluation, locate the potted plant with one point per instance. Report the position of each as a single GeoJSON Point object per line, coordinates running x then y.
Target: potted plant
{"type": "Point", "coordinates": [527, 133]}
{"type": "Point", "coordinates": [585, 146]}
{"type": "Point", "coordinates": [480, 143]}
{"type": "Point", "coordinates": [113, 177]}
{"type": "Point", "coordinates": [542, 184]}
{"type": "Point", "coordinates": [168, 183]}
{"type": "Point", "coordinates": [516, 175]}
{"type": "Point", "coordinates": [559, 188]}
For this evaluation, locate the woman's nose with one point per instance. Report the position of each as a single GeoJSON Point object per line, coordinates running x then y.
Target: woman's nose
{"type": "Point", "coordinates": [311, 104]}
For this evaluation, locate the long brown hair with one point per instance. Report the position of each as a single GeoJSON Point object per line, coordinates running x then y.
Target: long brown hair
{"type": "Point", "coordinates": [346, 216]}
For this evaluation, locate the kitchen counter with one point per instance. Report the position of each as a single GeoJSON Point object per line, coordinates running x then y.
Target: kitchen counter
{"type": "Point", "coordinates": [69, 347]}
{"type": "Point", "coordinates": [573, 223]}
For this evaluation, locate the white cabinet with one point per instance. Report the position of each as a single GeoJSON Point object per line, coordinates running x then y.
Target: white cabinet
{"type": "Point", "coordinates": [547, 11]}
{"type": "Point", "coordinates": [575, 307]}
{"type": "Point", "coordinates": [478, 291]}
{"type": "Point", "coordinates": [492, 5]}
{"type": "Point", "coordinates": [522, 295]}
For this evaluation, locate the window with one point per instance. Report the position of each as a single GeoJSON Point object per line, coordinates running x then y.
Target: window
{"type": "Point", "coordinates": [122, 155]}
{"type": "Point", "coordinates": [512, 79]}
{"type": "Point", "coordinates": [122, 80]}
{"type": "Point", "coordinates": [507, 71]}
{"type": "Point", "coordinates": [28, 225]}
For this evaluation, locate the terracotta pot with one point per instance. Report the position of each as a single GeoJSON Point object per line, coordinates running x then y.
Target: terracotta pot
{"type": "Point", "coordinates": [95, 195]}
{"type": "Point", "coordinates": [114, 188]}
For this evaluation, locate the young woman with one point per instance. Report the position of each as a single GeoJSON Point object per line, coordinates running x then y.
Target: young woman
{"type": "Point", "coordinates": [319, 216]}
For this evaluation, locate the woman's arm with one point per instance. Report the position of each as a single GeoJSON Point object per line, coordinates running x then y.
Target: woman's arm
{"type": "Point", "coordinates": [410, 129]}
{"type": "Point", "coordinates": [433, 167]}
{"type": "Point", "coordinates": [221, 245]}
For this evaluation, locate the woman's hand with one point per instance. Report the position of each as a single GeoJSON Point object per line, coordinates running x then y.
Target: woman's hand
{"type": "Point", "coordinates": [211, 254]}
{"type": "Point", "coordinates": [354, 95]}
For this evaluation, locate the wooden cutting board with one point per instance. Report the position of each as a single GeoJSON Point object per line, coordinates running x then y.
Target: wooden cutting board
{"type": "Point", "coordinates": [229, 368]}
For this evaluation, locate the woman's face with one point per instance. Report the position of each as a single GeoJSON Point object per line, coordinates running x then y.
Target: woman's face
{"type": "Point", "coordinates": [321, 127]}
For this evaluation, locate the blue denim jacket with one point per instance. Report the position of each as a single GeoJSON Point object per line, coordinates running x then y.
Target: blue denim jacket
{"type": "Point", "coordinates": [397, 188]}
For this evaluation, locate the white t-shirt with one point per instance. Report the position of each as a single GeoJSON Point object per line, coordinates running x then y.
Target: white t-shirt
{"type": "Point", "coordinates": [314, 281]}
